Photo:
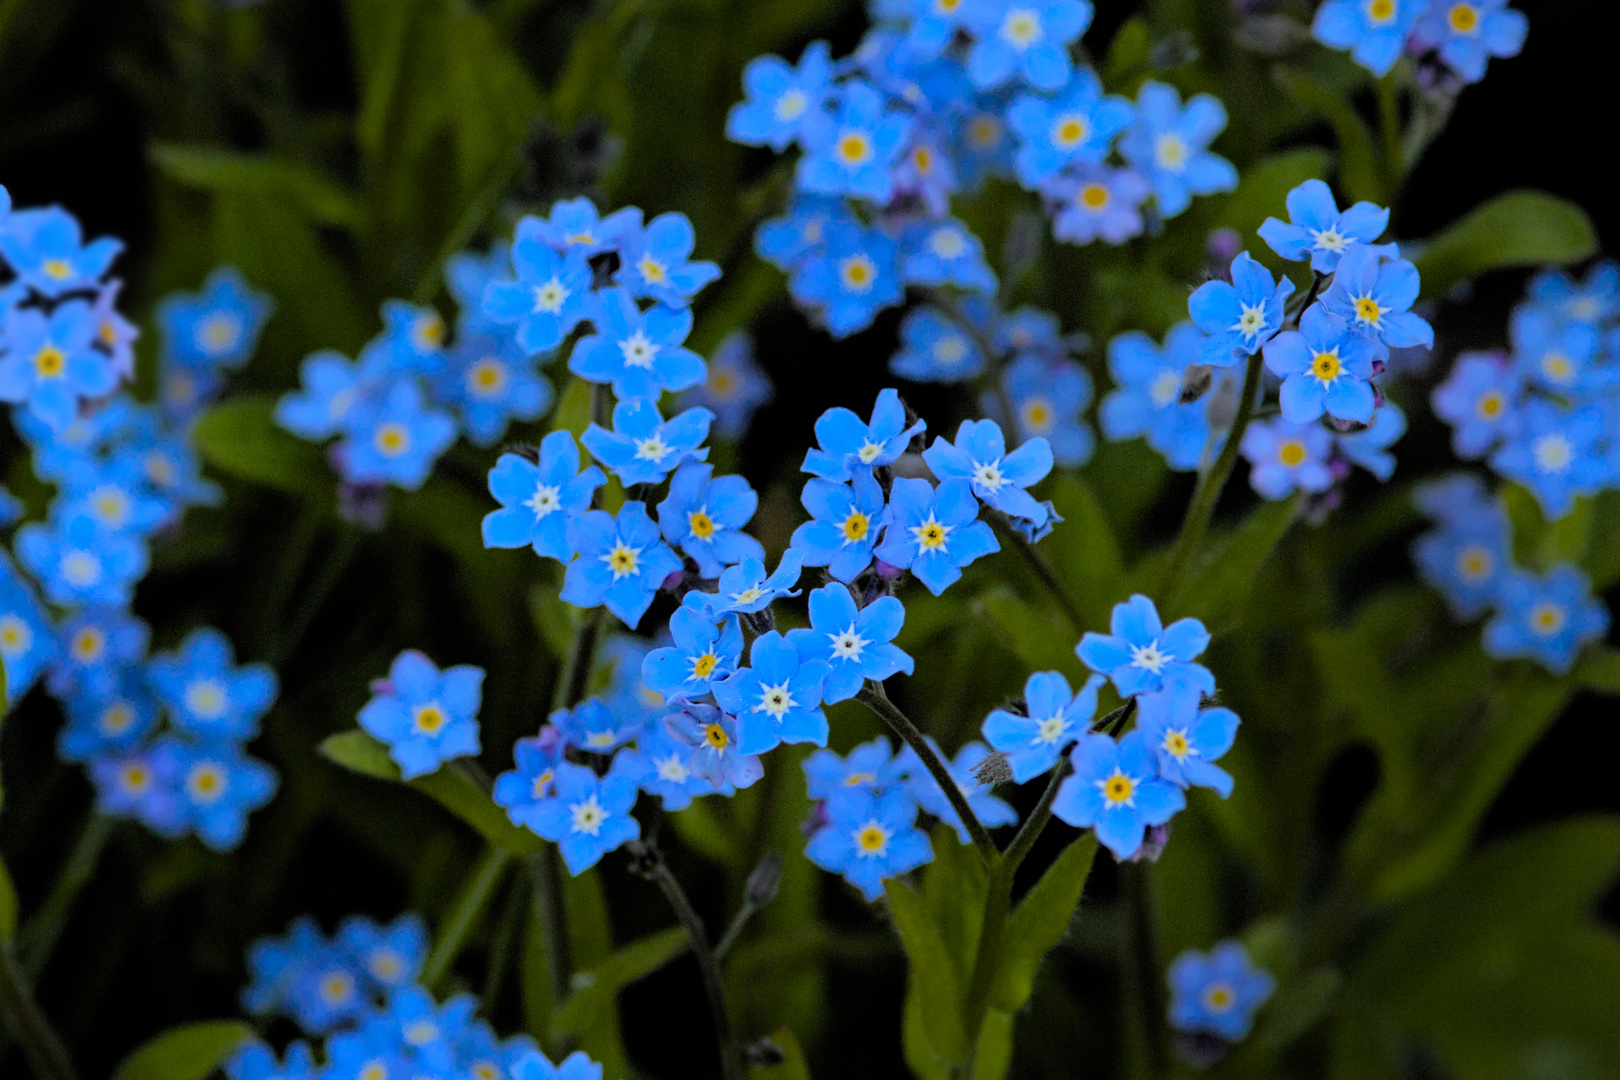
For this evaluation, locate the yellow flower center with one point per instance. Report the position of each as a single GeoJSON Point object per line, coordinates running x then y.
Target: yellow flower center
{"type": "Point", "coordinates": [651, 269]}
{"type": "Point", "coordinates": [1557, 367]}
{"type": "Point", "coordinates": [872, 839]}
{"type": "Point", "coordinates": [1094, 197]}
{"type": "Point", "coordinates": [716, 736]}
{"type": "Point", "coordinates": [1464, 18]}
{"type": "Point", "coordinates": [1367, 310]}
{"type": "Point", "coordinates": [1118, 789]}
{"type": "Point", "coordinates": [117, 718]}
{"type": "Point", "coordinates": [1380, 12]}
{"type": "Point", "coordinates": [335, 989]}
{"type": "Point", "coordinates": [1021, 28]}
{"type": "Point", "coordinates": [1038, 415]}
{"type": "Point", "coordinates": [206, 698]}
{"type": "Point", "coordinates": [486, 377]}
{"type": "Point", "coordinates": [50, 362]}
{"type": "Point", "coordinates": [930, 535]}
{"type": "Point", "coordinates": [430, 718]}
{"type": "Point", "coordinates": [207, 782]}
{"type": "Point", "coordinates": [392, 440]}
{"type": "Point", "coordinates": [1069, 131]}
{"type": "Point", "coordinates": [702, 524]}
{"type": "Point", "coordinates": [854, 148]}
{"type": "Point", "coordinates": [374, 1070]}
{"type": "Point", "coordinates": [1474, 563]}
{"type": "Point", "coordinates": [855, 526]}
{"type": "Point", "coordinates": [1219, 997]}
{"type": "Point", "coordinates": [1175, 744]}
{"type": "Point", "coordinates": [1491, 403]}
{"type": "Point", "coordinates": [858, 272]}
{"type": "Point", "coordinates": [1171, 151]}
{"type": "Point", "coordinates": [984, 132]}
{"type": "Point", "coordinates": [923, 159]}
{"type": "Point", "coordinates": [703, 666]}
{"type": "Point", "coordinates": [57, 269]}
{"type": "Point", "coordinates": [135, 778]}
{"type": "Point", "coordinates": [791, 104]}
{"type": "Point", "coordinates": [429, 332]}
{"type": "Point", "coordinates": [1291, 453]}
{"type": "Point", "coordinates": [1547, 618]}
{"type": "Point", "coordinates": [87, 644]}
{"type": "Point", "coordinates": [1325, 366]}
{"type": "Point", "coordinates": [220, 332]}
{"type": "Point", "coordinates": [15, 636]}
{"type": "Point", "coordinates": [621, 560]}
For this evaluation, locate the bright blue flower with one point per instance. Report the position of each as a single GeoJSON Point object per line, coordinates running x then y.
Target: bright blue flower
{"type": "Point", "coordinates": [1186, 739]}
{"type": "Point", "coordinates": [1369, 447]}
{"type": "Point", "coordinates": [621, 563]}
{"type": "Point", "coordinates": [1092, 202]}
{"type": "Point", "coordinates": [522, 790]}
{"type": "Point", "coordinates": [1547, 619]}
{"type": "Point", "coordinates": [551, 294]}
{"type": "Point", "coordinates": [1027, 38]}
{"type": "Point", "coordinates": [1324, 368]}
{"type": "Point", "coordinates": [850, 149]}
{"type": "Point", "coordinates": [787, 242]}
{"type": "Point", "coordinates": [332, 395]}
{"type": "Point", "coordinates": [1468, 556]}
{"type": "Point", "coordinates": [869, 837]}
{"type": "Point", "coordinates": [984, 146]}
{"type": "Point", "coordinates": [655, 263]}
{"type": "Point", "coordinates": [217, 327]}
{"type": "Point", "coordinates": [1147, 400]}
{"type": "Point", "coordinates": [934, 532]}
{"type": "Point", "coordinates": [412, 338]}
{"type": "Point", "coordinates": [845, 442]}
{"type": "Point", "coordinates": [1142, 655]}
{"type": "Point", "coordinates": [1374, 32]}
{"type": "Point", "coordinates": [1168, 144]}
{"type": "Point", "coordinates": [639, 353]}
{"type": "Point", "coordinates": [47, 252]}
{"type": "Point", "coordinates": [642, 448]}
{"type": "Point", "coordinates": [734, 388]}
{"type": "Point", "coordinates": [1241, 315]}
{"type": "Point", "coordinates": [716, 751]}
{"type": "Point", "coordinates": [27, 641]}
{"type": "Point", "coordinates": [1373, 296]}
{"type": "Point", "coordinates": [1115, 789]}
{"type": "Point", "coordinates": [1455, 497]}
{"type": "Point", "coordinates": [856, 643]}
{"type": "Point", "coordinates": [935, 349]}
{"type": "Point", "coordinates": [703, 651]}
{"type": "Point", "coordinates": [944, 252]}
{"type": "Point", "coordinates": [1048, 398]}
{"type": "Point", "coordinates": [1217, 993]}
{"type": "Point", "coordinates": [745, 589]}
{"type": "Point", "coordinates": [256, 1061]}
{"type": "Point", "coordinates": [173, 468]}
{"type": "Point", "coordinates": [979, 456]}
{"type": "Point", "coordinates": [539, 499]}
{"type": "Point", "coordinates": [1480, 400]}
{"type": "Point", "coordinates": [426, 716]}
{"type": "Point", "coordinates": [428, 1033]}
{"type": "Point", "coordinates": [305, 976]}
{"type": "Point", "coordinates": [115, 722]}
{"type": "Point", "coordinates": [372, 1050]}
{"type": "Point", "coordinates": [627, 694]}
{"type": "Point", "coordinates": [534, 1066]}
{"type": "Point", "coordinates": [1284, 458]}
{"type": "Point", "coordinates": [1593, 301]}
{"type": "Point", "coordinates": [574, 226]}
{"type": "Point", "coordinates": [589, 816]}
{"type": "Point", "coordinates": [848, 518]}
{"type": "Point", "coordinates": [215, 787]}
{"type": "Point", "coordinates": [391, 954]}
{"type": "Point", "coordinates": [490, 382]}
{"type": "Point", "coordinates": [931, 798]}
{"type": "Point", "coordinates": [12, 509]}
{"type": "Point", "coordinates": [703, 518]}
{"type": "Point", "coordinates": [776, 698]}
{"type": "Point", "coordinates": [79, 563]}
{"type": "Point", "coordinates": [1554, 352]}
{"type": "Point", "coordinates": [1554, 453]}
{"type": "Point", "coordinates": [871, 766]}
{"type": "Point", "coordinates": [1053, 717]}
{"type": "Point", "coordinates": [96, 646]}
{"type": "Point", "coordinates": [1467, 33]}
{"type": "Point", "coordinates": [667, 768]}
{"type": "Point", "coordinates": [49, 362]}
{"type": "Point", "coordinates": [932, 25]}
{"type": "Point", "coordinates": [593, 727]}
{"type": "Point", "coordinates": [782, 99]}
{"type": "Point", "coordinates": [1077, 126]}
{"type": "Point", "coordinates": [467, 275]}
{"type": "Point", "coordinates": [1318, 231]}
{"type": "Point", "coordinates": [128, 785]}
{"type": "Point", "coordinates": [398, 441]}
{"type": "Point", "coordinates": [851, 279]}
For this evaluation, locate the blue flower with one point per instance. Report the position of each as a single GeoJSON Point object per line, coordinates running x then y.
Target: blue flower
{"type": "Point", "coordinates": [944, 252]}
{"type": "Point", "coordinates": [716, 753]}
{"type": "Point", "coordinates": [1468, 556]}
{"type": "Point", "coordinates": [96, 646]}
{"type": "Point", "coordinates": [984, 147]}
{"type": "Point", "coordinates": [1147, 400]}
{"type": "Point", "coordinates": [703, 518]}
{"type": "Point", "coordinates": [638, 352]}
{"type": "Point", "coordinates": [218, 327]}
{"type": "Point", "coordinates": [782, 99]}
{"type": "Point", "coordinates": [871, 766]}
{"type": "Point", "coordinates": [1373, 296]}
{"type": "Point", "coordinates": [1053, 717]}
{"type": "Point", "coordinates": [745, 588]}
{"type": "Point", "coordinates": [533, 1065]}
{"type": "Point", "coordinates": [1594, 301]}
{"type": "Point", "coordinates": [1318, 231]}
{"type": "Point", "coordinates": [642, 448]}
{"type": "Point", "coordinates": [1092, 202]}
{"type": "Point", "coordinates": [1186, 739]}
{"type": "Point", "coordinates": [1217, 993]}
{"type": "Point", "coordinates": [539, 499]}
{"type": "Point", "coordinates": [128, 785]}
{"type": "Point", "coordinates": [931, 798]}
{"type": "Point", "coordinates": [855, 643]}
{"type": "Point", "coordinates": [1031, 330]}
{"type": "Point", "coordinates": [552, 292]}
{"type": "Point", "coordinates": [47, 252]}
{"type": "Point", "coordinates": [667, 768]}
{"type": "Point", "coordinates": [114, 333]}
{"type": "Point", "coordinates": [316, 982]}
{"type": "Point", "coordinates": [1027, 38]}
{"type": "Point", "coordinates": [998, 478]}
{"type": "Point", "coordinates": [467, 275]}
{"type": "Point", "coordinates": [591, 726]}
{"type": "Point", "coordinates": [1142, 655]}
{"type": "Point", "coordinates": [426, 717]}
{"type": "Point", "coordinates": [621, 562]}
{"type": "Point", "coordinates": [1239, 316]}
{"type": "Point", "coordinates": [776, 698]}
{"type": "Point", "coordinates": [925, 172]}
{"type": "Point", "coordinates": [934, 532]}
{"type": "Point", "coordinates": [1373, 30]}
{"type": "Point", "coordinates": [1284, 458]}
{"type": "Point", "coordinates": [1047, 398]}
{"type": "Point", "coordinates": [79, 563]}
{"type": "Point", "coordinates": [1324, 368]}
{"type": "Point", "coordinates": [1369, 447]}
{"type": "Point", "coordinates": [787, 242]}
{"type": "Point", "coordinates": [849, 151]}
{"type": "Point", "coordinates": [848, 519]}
{"type": "Point", "coordinates": [490, 382]}
{"type": "Point", "coordinates": [935, 349]}
{"type": "Point", "coordinates": [851, 279]}
{"type": "Point", "coordinates": [1479, 399]}
{"type": "Point", "coordinates": [112, 722]}
{"type": "Point", "coordinates": [1467, 33]}
{"type": "Point", "coordinates": [333, 393]}
{"type": "Point", "coordinates": [521, 791]}
{"type": "Point", "coordinates": [1553, 453]}
{"type": "Point", "coordinates": [703, 652]}
{"type": "Point", "coordinates": [215, 787]}
{"type": "Point", "coordinates": [1545, 618]}
{"type": "Point", "coordinates": [933, 23]}
{"type": "Point", "coordinates": [869, 837]}
{"type": "Point", "coordinates": [256, 1061]}
{"type": "Point", "coordinates": [845, 442]}
{"type": "Point", "coordinates": [412, 339]}
{"type": "Point", "coordinates": [392, 954]}
{"type": "Point", "coordinates": [398, 442]}
{"type": "Point", "coordinates": [589, 816]}
{"type": "Point", "coordinates": [655, 262]}
{"type": "Point", "coordinates": [1077, 126]}
{"type": "Point", "coordinates": [1554, 352]}
{"type": "Point", "coordinates": [114, 493]}
{"type": "Point", "coordinates": [1115, 790]}
{"type": "Point", "coordinates": [734, 388]}
{"type": "Point", "coordinates": [575, 227]}
{"type": "Point", "coordinates": [27, 641]}
{"type": "Point", "coordinates": [49, 362]}
{"type": "Point", "coordinates": [1168, 144]}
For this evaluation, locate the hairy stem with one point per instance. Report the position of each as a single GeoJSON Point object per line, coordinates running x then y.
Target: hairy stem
{"type": "Point", "coordinates": [38, 937]}
{"type": "Point", "coordinates": [1043, 569]}
{"type": "Point", "coordinates": [873, 697]}
{"type": "Point", "coordinates": [1146, 967]}
{"type": "Point", "coordinates": [40, 1044]}
{"type": "Point", "coordinates": [469, 905]}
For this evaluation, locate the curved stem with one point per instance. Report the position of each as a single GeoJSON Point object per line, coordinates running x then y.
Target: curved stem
{"type": "Point", "coordinates": [39, 933]}
{"type": "Point", "coordinates": [475, 894]}
{"type": "Point", "coordinates": [873, 697]}
{"type": "Point", "coordinates": [40, 1044]}
{"type": "Point", "coordinates": [1043, 569]}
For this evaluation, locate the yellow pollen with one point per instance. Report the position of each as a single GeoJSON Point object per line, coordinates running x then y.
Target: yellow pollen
{"type": "Point", "coordinates": [704, 666]}
{"type": "Point", "coordinates": [858, 273]}
{"type": "Point", "coordinates": [1367, 310]}
{"type": "Point", "coordinates": [1557, 366]}
{"type": "Point", "coordinates": [1291, 453]}
{"type": "Point", "coordinates": [871, 838]}
{"type": "Point", "coordinates": [540, 784]}
{"type": "Point", "coordinates": [135, 778]}
{"type": "Point", "coordinates": [374, 1070]}
{"type": "Point", "coordinates": [1175, 744]}
{"type": "Point", "coordinates": [1464, 18]}
{"type": "Point", "coordinates": [1474, 563]}
{"type": "Point", "coordinates": [108, 333]}
{"type": "Point", "coordinates": [487, 376]}
{"type": "Point", "coordinates": [430, 331]}
{"type": "Point", "coordinates": [984, 132]}
{"type": "Point", "coordinates": [1547, 618]}
{"type": "Point", "coordinates": [1071, 130]}
{"type": "Point", "coordinates": [854, 148]}
{"type": "Point", "coordinates": [923, 159]}
{"type": "Point", "coordinates": [1219, 997]}
{"type": "Point", "coordinates": [1325, 366]}
{"type": "Point", "coordinates": [58, 269]}
{"type": "Point", "coordinates": [855, 525]}
{"type": "Point", "coordinates": [1037, 415]}
{"type": "Point", "coordinates": [1380, 11]}
{"type": "Point", "coordinates": [50, 362]}
{"type": "Point", "coordinates": [336, 988]}
{"type": "Point", "coordinates": [651, 269]}
{"type": "Point", "coordinates": [87, 644]}
{"type": "Point", "coordinates": [429, 719]}
{"type": "Point", "coordinates": [392, 440]}
{"type": "Point", "coordinates": [622, 560]}
{"type": "Point", "coordinates": [1094, 197]}
{"type": "Point", "coordinates": [721, 383]}
{"type": "Point", "coordinates": [117, 718]}
{"type": "Point", "coordinates": [1490, 404]}
{"type": "Point", "coordinates": [1118, 788]}
{"type": "Point", "coordinates": [702, 524]}
{"type": "Point", "coordinates": [715, 736]}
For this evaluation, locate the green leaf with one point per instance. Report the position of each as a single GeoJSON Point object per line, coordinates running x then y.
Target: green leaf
{"type": "Point", "coordinates": [240, 437]}
{"type": "Point", "coordinates": [1041, 639]}
{"type": "Point", "coordinates": [297, 187]}
{"type": "Point", "coordinates": [933, 974]}
{"type": "Point", "coordinates": [191, 1052]}
{"type": "Point", "coordinates": [700, 828]}
{"type": "Point", "coordinates": [1039, 922]}
{"type": "Point", "coordinates": [1602, 561]}
{"type": "Point", "coordinates": [1083, 551]}
{"type": "Point", "coordinates": [8, 905]}
{"type": "Point", "coordinates": [1518, 228]}
{"type": "Point", "coordinates": [1599, 670]}
{"type": "Point", "coordinates": [1359, 171]}
{"type": "Point", "coordinates": [1127, 55]}
{"type": "Point", "coordinates": [590, 935]}
{"type": "Point", "coordinates": [1221, 579]}
{"type": "Point", "coordinates": [596, 989]}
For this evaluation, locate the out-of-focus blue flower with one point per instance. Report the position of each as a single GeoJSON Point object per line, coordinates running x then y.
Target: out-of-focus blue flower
{"type": "Point", "coordinates": [1593, 301]}
{"type": "Point", "coordinates": [215, 787]}
{"type": "Point", "coordinates": [307, 977]}
{"type": "Point", "coordinates": [412, 340]}
{"type": "Point", "coordinates": [704, 650]}
{"type": "Point", "coordinates": [1374, 31]}
{"type": "Point", "coordinates": [871, 766]}
{"type": "Point", "coordinates": [984, 146]}
{"type": "Point", "coordinates": [490, 382]}
{"type": "Point", "coordinates": [1147, 400]}
{"type": "Point", "coordinates": [924, 172]}
{"type": "Point", "coordinates": [398, 441]}
{"type": "Point", "coordinates": [1047, 398]}
{"type": "Point", "coordinates": [716, 751]}
{"type": "Point", "coordinates": [115, 333]}
{"type": "Point", "coordinates": [128, 785]}
{"type": "Point", "coordinates": [426, 716]}
{"type": "Point", "coordinates": [1076, 126]}
{"type": "Point", "coordinates": [734, 388]}
{"type": "Point", "coordinates": [589, 816]}
{"type": "Point", "coordinates": [1217, 993]}
{"type": "Point", "coordinates": [27, 642]}
{"type": "Point", "coordinates": [655, 262]}
{"type": "Point", "coordinates": [998, 478]}
{"type": "Point", "coordinates": [935, 349]}
{"type": "Point", "coordinates": [1554, 454]}
{"type": "Point", "coordinates": [217, 327]}
{"type": "Point", "coordinates": [1324, 368]}
{"type": "Point", "coordinates": [114, 723]}
{"type": "Point", "coordinates": [49, 362]}
{"type": "Point", "coordinates": [79, 563]}
{"type": "Point", "coordinates": [1455, 497]}
{"type": "Point", "coordinates": [639, 353]}
{"type": "Point", "coordinates": [642, 448]}
{"type": "Point", "coordinates": [745, 588]}
{"type": "Point", "coordinates": [1168, 145]}
{"type": "Point", "coordinates": [1030, 330]}
{"type": "Point", "coordinates": [851, 279]}
{"type": "Point", "coordinates": [1093, 201]}
{"type": "Point", "coordinates": [1115, 790]}
{"type": "Point", "coordinates": [781, 99]}
{"type": "Point", "coordinates": [944, 253]}
{"type": "Point", "coordinates": [1554, 352]}
{"type": "Point", "coordinates": [47, 252]}
{"type": "Point", "coordinates": [704, 515]}
{"type": "Point", "coordinates": [96, 646]}
{"type": "Point", "coordinates": [467, 275]}
{"type": "Point", "coordinates": [1142, 655]}
{"type": "Point", "coordinates": [574, 226]}
{"type": "Point", "coordinates": [1186, 739]}
{"type": "Point", "coordinates": [1467, 33]}
{"type": "Point", "coordinates": [849, 151]}
{"type": "Point", "coordinates": [539, 499]}
{"type": "Point", "coordinates": [856, 643]}
{"type": "Point", "coordinates": [1028, 38]}
{"type": "Point", "coordinates": [1369, 447]}
{"type": "Point", "coordinates": [845, 442]}
{"type": "Point", "coordinates": [533, 1065]}
{"type": "Point", "coordinates": [621, 562]}
{"type": "Point", "coordinates": [787, 242]}
{"type": "Point", "coordinates": [1373, 295]}
{"type": "Point", "coordinates": [255, 1060]}
{"type": "Point", "coordinates": [1479, 399]}
{"type": "Point", "coordinates": [593, 727]}
{"type": "Point", "coordinates": [551, 294]}
{"type": "Point", "coordinates": [332, 394]}
{"type": "Point", "coordinates": [1284, 458]}
{"type": "Point", "coordinates": [1467, 557]}
{"type": "Point", "coordinates": [868, 838]}
{"type": "Point", "coordinates": [1053, 718]}
{"type": "Point", "coordinates": [522, 790]}
{"type": "Point", "coordinates": [934, 532]}
{"type": "Point", "coordinates": [776, 698]}
{"type": "Point", "coordinates": [931, 798]}
{"type": "Point", "coordinates": [392, 954]}
{"type": "Point", "coordinates": [847, 520]}
{"type": "Point", "coordinates": [1546, 618]}
{"type": "Point", "coordinates": [1241, 315]}
{"type": "Point", "coordinates": [1318, 231]}
{"type": "Point", "coordinates": [667, 768]}
{"type": "Point", "coordinates": [115, 495]}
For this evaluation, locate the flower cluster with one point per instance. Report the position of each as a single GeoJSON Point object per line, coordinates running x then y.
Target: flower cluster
{"type": "Point", "coordinates": [1463, 34]}
{"type": "Point", "coordinates": [124, 473]}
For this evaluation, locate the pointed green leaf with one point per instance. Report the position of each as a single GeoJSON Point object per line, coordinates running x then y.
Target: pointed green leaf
{"type": "Point", "coordinates": [1517, 228]}
{"type": "Point", "coordinates": [1359, 170]}
{"type": "Point", "coordinates": [933, 973]}
{"type": "Point", "coordinates": [1040, 920]}
{"type": "Point", "coordinates": [191, 1052]}
{"type": "Point", "coordinates": [240, 437]}
{"type": "Point", "coordinates": [298, 187]}
{"type": "Point", "coordinates": [596, 989]}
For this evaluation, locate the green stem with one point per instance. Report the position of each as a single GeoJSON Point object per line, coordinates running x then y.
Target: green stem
{"type": "Point", "coordinates": [331, 572]}
{"type": "Point", "coordinates": [873, 697]}
{"type": "Point", "coordinates": [1043, 569]}
{"type": "Point", "coordinates": [548, 900]}
{"type": "Point", "coordinates": [1389, 131]}
{"type": "Point", "coordinates": [40, 1044]}
{"type": "Point", "coordinates": [38, 936]}
{"type": "Point", "coordinates": [576, 676]}
{"type": "Point", "coordinates": [1146, 967]}
{"type": "Point", "coordinates": [1208, 492]}
{"type": "Point", "coordinates": [464, 913]}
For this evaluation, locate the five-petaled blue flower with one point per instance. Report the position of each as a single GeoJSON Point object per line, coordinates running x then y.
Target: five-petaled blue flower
{"type": "Point", "coordinates": [716, 753]}
{"type": "Point", "coordinates": [593, 727]}
{"type": "Point", "coordinates": [1546, 618]}
{"type": "Point", "coordinates": [523, 790]}
{"type": "Point", "coordinates": [1147, 400]}
{"type": "Point", "coordinates": [392, 954]}
{"type": "Point", "coordinates": [1142, 655]}
{"type": "Point", "coordinates": [1048, 398]}
{"type": "Point", "coordinates": [781, 99]}
{"type": "Point", "coordinates": [1373, 296]}
{"type": "Point", "coordinates": [1053, 717]}
{"type": "Point", "coordinates": [589, 816]}
{"type": "Point", "coordinates": [745, 588]}
{"type": "Point", "coordinates": [856, 643]}
{"type": "Point", "coordinates": [704, 515]}
{"type": "Point", "coordinates": [667, 768]}
{"type": "Point", "coordinates": [1284, 458]}
{"type": "Point", "coordinates": [848, 518]}
{"type": "Point", "coordinates": [1092, 202]}
{"type": "Point", "coordinates": [1468, 556]}
{"type": "Point", "coordinates": [935, 349]}
{"type": "Point", "coordinates": [215, 786]}
{"type": "Point", "coordinates": [656, 262]}
{"type": "Point", "coordinates": [934, 532]}
{"type": "Point", "coordinates": [1373, 30]}
{"type": "Point", "coordinates": [1324, 368]}
{"type": "Point", "coordinates": [642, 448]}
{"type": "Point", "coordinates": [846, 442]}
{"type": "Point", "coordinates": [869, 837]}
{"type": "Point", "coordinates": [1369, 446]}
{"type": "Point", "coordinates": [850, 149]}
{"type": "Point", "coordinates": [1480, 400]}
{"type": "Point", "coordinates": [777, 698]}
{"type": "Point", "coordinates": [1241, 315]}
{"type": "Point", "coordinates": [1168, 144]}
{"type": "Point", "coordinates": [852, 277]}
{"type": "Point", "coordinates": [1554, 453]}
{"type": "Point", "coordinates": [1026, 38]}
{"type": "Point", "coordinates": [573, 225]}
{"type": "Point", "coordinates": [1186, 739]}
{"type": "Point", "coordinates": [217, 327]}
{"type": "Point", "coordinates": [1318, 231]}
{"type": "Point", "coordinates": [49, 362]}
{"type": "Point", "coordinates": [47, 252]}
{"type": "Point", "coordinates": [944, 253]}
{"type": "Point", "coordinates": [398, 441]}
{"type": "Point", "coordinates": [1217, 993]}
{"type": "Point", "coordinates": [97, 646]}
{"type": "Point", "coordinates": [639, 352]}
{"type": "Point", "coordinates": [1115, 789]}
{"type": "Point", "coordinates": [621, 564]}
{"type": "Point", "coordinates": [426, 716]}
{"type": "Point", "coordinates": [551, 295]}
{"type": "Point", "coordinates": [872, 766]}
{"type": "Point", "coordinates": [998, 478]}
{"type": "Point", "coordinates": [489, 381]}
{"type": "Point", "coordinates": [704, 650]}
{"type": "Point", "coordinates": [79, 563]}
{"type": "Point", "coordinates": [539, 499]}
{"type": "Point", "coordinates": [1078, 125]}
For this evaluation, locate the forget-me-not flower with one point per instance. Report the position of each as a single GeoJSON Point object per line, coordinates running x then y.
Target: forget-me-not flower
{"type": "Point", "coordinates": [934, 532]}
{"type": "Point", "coordinates": [215, 787]}
{"type": "Point", "coordinates": [1467, 558]}
{"type": "Point", "coordinates": [846, 442]}
{"type": "Point", "coordinates": [550, 295]}
{"type": "Point", "coordinates": [1374, 31]}
{"type": "Point", "coordinates": [1048, 398]}
{"type": "Point", "coordinates": [847, 520]}
{"type": "Point", "coordinates": [704, 515]}
{"type": "Point", "coordinates": [1554, 453]}
{"type": "Point", "coordinates": [97, 645]}
{"type": "Point", "coordinates": [1186, 739]}
{"type": "Point", "coordinates": [1317, 231]}
{"type": "Point", "coordinates": [1096, 202]}
{"type": "Point", "coordinates": [850, 279]}
{"type": "Point", "coordinates": [666, 769]}
{"type": "Point", "coordinates": [656, 262]}
{"type": "Point", "coordinates": [398, 442]}
{"type": "Point", "coordinates": [1369, 447]}
{"type": "Point", "coordinates": [872, 766]}
{"type": "Point", "coordinates": [944, 252]}
{"type": "Point", "coordinates": [869, 837]}
{"type": "Point", "coordinates": [704, 650]}
{"type": "Point", "coordinates": [1025, 38]}
{"type": "Point", "coordinates": [622, 562]}
{"type": "Point", "coordinates": [521, 791]}
{"type": "Point", "coordinates": [777, 698]}
{"type": "Point", "coordinates": [1373, 294]}
{"type": "Point", "coordinates": [979, 456]}
{"type": "Point", "coordinates": [1468, 33]}
{"type": "Point", "coordinates": [1241, 315]}
{"type": "Point", "coordinates": [1053, 718]}
{"type": "Point", "coordinates": [426, 716]}
{"type": "Point", "coordinates": [1217, 993]}
{"type": "Point", "coordinates": [1324, 368]}
{"type": "Point", "coordinates": [1142, 655]}
{"type": "Point", "coordinates": [1168, 145]}
{"type": "Point", "coordinates": [217, 327]}
{"type": "Point", "coordinates": [49, 363]}
{"type": "Point", "coordinates": [489, 381]}
{"type": "Point", "coordinates": [593, 727]}
{"type": "Point", "coordinates": [642, 448]}
{"type": "Point", "coordinates": [1115, 789]}
{"type": "Point", "coordinates": [1284, 458]}
{"type": "Point", "coordinates": [1546, 618]}
{"type": "Point", "coordinates": [931, 798]}
{"type": "Point", "coordinates": [589, 816]}
{"type": "Point", "coordinates": [933, 348]}
{"type": "Point", "coordinates": [781, 99]}
{"type": "Point", "coordinates": [856, 643]}
{"type": "Point", "coordinates": [746, 588]}
{"type": "Point", "coordinates": [849, 150]}
{"type": "Point", "coordinates": [573, 225]}
{"type": "Point", "coordinates": [638, 352]}
{"type": "Point", "coordinates": [1078, 125]}
{"type": "Point", "coordinates": [1479, 399]}
{"type": "Point", "coordinates": [79, 563]}
{"type": "Point", "coordinates": [734, 388]}
{"type": "Point", "coordinates": [538, 499]}
{"type": "Point", "coordinates": [1147, 399]}
{"type": "Point", "coordinates": [716, 753]}
{"type": "Point", "coordinates": [46, 250]}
